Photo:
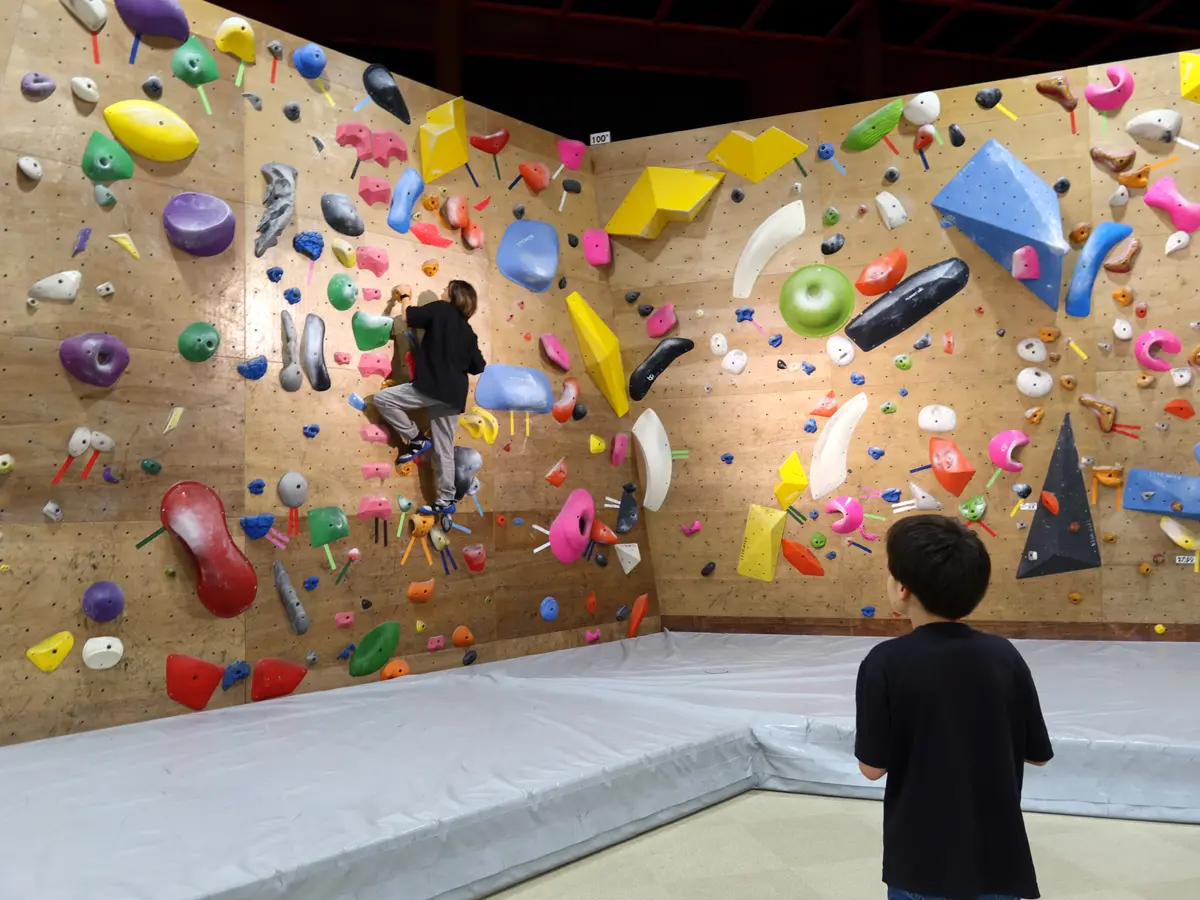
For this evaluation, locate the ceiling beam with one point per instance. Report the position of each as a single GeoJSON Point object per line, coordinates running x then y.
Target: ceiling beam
{"type": "Point", "coordinates": [846, 20]}
{"type": "Point", "coordinates": [947, 19]}
{"type": "Point", "coordinates": [759, 11]}
{"type": "Point", "coordinates": [1029, 30]}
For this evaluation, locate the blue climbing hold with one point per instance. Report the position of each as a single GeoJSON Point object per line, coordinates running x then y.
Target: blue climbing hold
{"type": "Point", "coordinates": [408, 190]}
{"type": "Point", "coordinates": [831, 555]}
{"type": "Point", "coordinates": [311, 582]}
{"type": "Point", "coordinates": [727, 458]}
{"type": "Point", "coordinates": [309, 60]}
{"type": "Point", "coordinates": [253, 369]}
{"type": "Point", "coordinates": [1196, 452]}
{"type": "Point", "coordinates": [814, 515]}
{"type": "Point", "coordinates": [903, 392]}
{"type": "Point", "coordinates": [868, 612]}
{"type": "Point", "coordinates": [891, 495]}
{"type": "Point", "coordinates": [825, 151]}
{"type": "Point", "coordinates": [548, 609]}
{"type": "Point", "coordinates": [875, 452]}
{"type": "Point", "coordinates": [257, 526]}
{"type": "Point", "coordinates": [311, 431]}
{"type": "Point", "coordinates": [235, 672]}
{"type": "Point", "coordinates": [808, 367]}
{"type": "Point", "coordinates": [1103, 238]}
{"type": "Point", "coordinates": [357, 402]}
{"type": "Point", "coordinates": [309, 243]}
{"type": "Point", "coordinates": [503, 387]}
{"type": "Point", "coordinates": [292, 295]}
{"type": "Point", "coordinates": [275, 273]}
{"type": "Point", "coordinates": [518, 521]}
{"type": "Point", "coordinates": [257, 486]}
{"type": "Point", "coordinates": [347, 652]}
{"type": "Point", "coordinates": [857, 378]}
{"type": "Point", "coordinates": [775, 340]}
{"type": "Point", "coordinates": [811, 425]}
{"type": "Point", "coordinates": [528, 254]}
{"type": "Point", "coordinates": [744, 313]}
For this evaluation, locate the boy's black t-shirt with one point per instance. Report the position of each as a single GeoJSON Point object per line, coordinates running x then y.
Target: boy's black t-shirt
{"type": "Point", "coordinates": [446, 354]}
{"type": "Point", "coordinates": [953, 715]}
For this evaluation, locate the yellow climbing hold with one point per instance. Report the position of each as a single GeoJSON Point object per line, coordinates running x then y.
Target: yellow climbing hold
{"type": "Point", "coordinates": [761, 542]}
{"type": "Point", "coordinates": [344, 252]}
{"type": "Point", "coordinates": [1189, 76]}
{"type": "Point", "coordinates": [596, 443]}
{"type": "Point", "coordinates": [754, 158]}
{"type": "Point", "coordinates": [480, 424]}
{"type": "Point", "coordinates": [236, 36]}
{"type": "Point", "coordinates": [444, 139]}
{"type": "Point", "coordinates": [795, 480]}
{"type": "Point", "coordinates": [125, 242]}
{"type": "Point", "coordinates": [420, 626]}
{"type": "Point", "coordinates": [601, 352]}
{"type": "Point", "coordinates": [151, 130]}
{"type": "Point", "coordinates": [1160, 629]}
{"type": "Point", "coordinates": [662, 195]}
{"type": "Point", "coordinates": [47, 655]}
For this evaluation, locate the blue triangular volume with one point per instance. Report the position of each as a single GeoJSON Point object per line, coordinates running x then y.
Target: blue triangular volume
{"type": "Point", "coordinates": [1002, 205]}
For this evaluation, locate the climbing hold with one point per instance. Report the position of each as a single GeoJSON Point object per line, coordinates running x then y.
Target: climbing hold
{"type": "Point", "coordinates": [875, 127]}
{"type": "Point", "coordinates": [291, 111]}
{"type": "Point", "coordinates": [102, 652]}
{"type": "Point", "coordinates": [891, 210]}
{"type": "Point", "coordinates": [816, 300]}
{"type": "Point", "coordinates": [548, 609]}
{"type": "Point", "coordinates": [1181, 408]}
{"type": "Point", "coordinates": [256, 527]}
{"type": "Point", "coordinates": [1137, 179]}
{"type": "Point", "coordinates": [661, 321]}
{"type": "Point", "coordinates": [988, 98]}
{"type": "Point", "coordinates": [235, 35]}
{"type": "Point", "coordinates": [94, 358]}
{"type": "Point", "coordinates": [199, 224]}
{"type": "Point", "coordinates": [104, 160]}
{"type": "Point", "coordinates": [1109, 99]}
{"type": "Point", "coordinates": [579, 412]}
{"type": "Point", "coordinates": [153, 87]}
{"type": "Point", "coordinates": [311, 431]}
{"type": "Point", "coordinates": [1151, 341]}
{"type": "Point", "coordinates": [199, 341]}
{"type": "Point", "coordinates": [151, 466]}
{"type": "Point", "coordinates": [192, 681]}
{"type": "Point", "coordinates": [275, 48]}
{"type": "Point", "coordinates": [528, 255]}
{"type": "Point", "coordinates": [811, 426]}
{"type": "Point", "coordinates": [309, 243]}
{"type": "Point", "coordinates": [36, 86]}
{"type": "Point", "coordinates": [235, 672]}
{"type": "Point", "coordinates": [193, 64]}
{"type": "Point", "coordinates": [341, 215]}
{"type": "Point", "coordinates": [857, 378]}
{"type": "Point", "coordinates": [1115, 161]}
{"type": "Point", "coordinates": [309, 60]}
{"type": "Point", "coordinates": [666, 352]}
{"type": "Point", "coordinates": [1062, 185]}
{"type": "Point", "coordinates": [92, 14]}
{"type": "Point", "coordinates": [275, 274]}
{"type": "Point", "coordinates": [151, 130]}
{"type": "Point", "coordinates": [30, 168]}
{"type": "Point", "coordinates": [1025, 264]}
{"type": "Point", "coordinates": [275, 678]}
{"type": "Point", "coordinates": [887, 407]}
{"type": "Point", "coordinates": [381, 87]}
{"type": "Point", "coordinates": [1058, 89]}
{"type": "Point", "coordinates": [1184, 213]}
{"type": "Point", "coordinates": [565, 404]}
{"type": "Point", "coordinates": [937, 419]}
{"type": "Point", "coordinates": [1177, 241]}
{"type": "Point", "coordinates": [1121, 263]}
{"type": "Point", "coordinates": [341, 291]}
{"type": "Point", "coordinates": [312, 353]}
{"type": "Point", "coordinates": [103, 601]}
{"type": "Point", "coordinates": [882, 274]}
{"type": "Point", "coordinates": [907, 303]}
{"type": "Point", "coordinates": [279, 203]}
{"type": "Point", "coordinates": [374, 650]}
{"type": "Point", "coordinates": [1067, 381]}
{"type": "Point", "coordinates": [1104, 237]}
{"type": "Point", "coordinates": [875, 452]}
{"type": "Point", "coordinates": [85, 89]}
{"type": "Point", "coordinates": [832, 244]}
{"type": "Point", "coordinates": [62, 286]}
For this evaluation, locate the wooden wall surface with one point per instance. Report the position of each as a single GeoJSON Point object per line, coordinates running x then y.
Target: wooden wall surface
{"type": "Point", "coordinates": [234, 430]}
{"type": "Point", "coordinates": [759, 416]}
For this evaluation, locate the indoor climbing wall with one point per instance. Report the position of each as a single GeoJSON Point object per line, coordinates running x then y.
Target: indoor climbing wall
{"type": "Point", "coordinates": [197, 408]}
{"type": "Point", "coordinates": [1033, 193]}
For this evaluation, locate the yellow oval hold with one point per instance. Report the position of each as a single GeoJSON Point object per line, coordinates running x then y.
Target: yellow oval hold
{"type": "Point", "coordinates": [47, 655]}
{"type": "Point", "coordinates": [151, 130]}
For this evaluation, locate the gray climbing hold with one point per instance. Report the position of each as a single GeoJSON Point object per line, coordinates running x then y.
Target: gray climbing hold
{"type": "Point", "coordinates": [311, 658]}
{"type": "Point", "coordinates": [833, 244]}
{"type": "Point", "coordinates": [891, 174]}
{"type": "Point", "coordinates": [312, 353]}
{"type": "Point", "coordinates": [280, 203]}
{"type": "Point", "coordinates": [601, 560]}
{"type": "Point", "coordinates": [341, 215]}
{"type": "Point", "coordinates": [579, 411]}
{"type": "Point", "coordinates": [255, 100]}
{"type": "Point", "coordinates": [293, 490]}
{"type": "Point", "coordinates": [923, 341]}
{"type": "Point", "coordinates": [1062, 186]}
{"type": "Point", "coordinates": [275, 48]}
{"type": "Point", "coordinates": [627, 510]}
{"type": "Point", "coordinates": [562, 283]}
{"type": "Point", "coordinates": [571, 186]}
{"type": "Point", "coordinates": [644, 309]}
{"type": "Point", "coordinates": [291, 378]}
{"type": "Point", "coordinates": [632, 296]}
{"type": "Point", "coordinates": [318, 143]}
{"type": "Point", "coordinates": [519, 211]}
{"type": "Point", "coordinates": [105, 197]}
{"type": "Point", "coordinates": [291, 111]}
{"type": "Point", "coordinates": [737, 195]}
{"type": "Point", "coordinates": [290, 599]}
{"type": "Point", "coordinates": [152, 87]}
{"type": "Point", "coordinates": [957, 138]}
{"type": "Point", "coordinates": [987, 98]}
{"type": "Point", "coordinates": [573, 240]}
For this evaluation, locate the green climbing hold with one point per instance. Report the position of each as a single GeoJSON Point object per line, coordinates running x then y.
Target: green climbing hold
{"type": "Point", "coordinates": [887, 407]}
{"type": "Point", "coordinates": [875, 127]}
{"type": "Point", "coordinates": [831, 216]}
{"type": "Point", "coordinates": [104, 196]}
{"type": "Point", "coordinates": [374, 650]}
{"type": "Point", "coordinates": [199, 341]}
{"type": "Point", "coordinates": [902, 361]}
{"type": "Point", "coordinates": [151, 466]}
{"type": "Point", "coordinates": [973, 508]}
{"type": "Point", "coordinates": [342, 292]}
{"type": "Point", "coordinates": [817, 541]}
{"type": "Point", "coordinates": [327, 524]}
{"type": "Point", "coordinates": [104, 160]}
{"type": "Point", "coordinates": [193, 64]}
{"type": "Point", "coordinates": [371, 331]}
{"type": "Point", "coordinates": [816, 301]}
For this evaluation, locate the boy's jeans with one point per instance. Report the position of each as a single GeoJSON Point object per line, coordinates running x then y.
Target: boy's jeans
{"type": "Point", "coordinates": [897, 894]}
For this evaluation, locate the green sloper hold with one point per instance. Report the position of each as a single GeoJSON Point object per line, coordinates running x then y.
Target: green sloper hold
{"type": "Point", "coordinates": [199, 341]}
{"type": "Point", "coordinates": [871, 130]}
{"type": "Point", "coordinates": [327, 524]}
{"type": "Point", "coordinates": [342, 292]}
{"type": "Point", "coordinates": [193, 64]}
{"type": "Point", "coordinates": [816, 301]}
{"type": "Point", "coordinates": [374, 650]}
{"type": "Point", "coordinates": [370, 331]}
{"type": "Point", "coordinates": [104, 160]}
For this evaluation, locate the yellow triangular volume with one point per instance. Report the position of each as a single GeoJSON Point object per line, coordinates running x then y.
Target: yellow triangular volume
{"type": "Point", "coordinates": [1189, 76]}
{"type": "Point", "coordinates": [754, 158]}
{"type": "Point", "coordinates": [444, 139]}
{"type": "Point", "coordinates": [601, 352]}
{"type": "Point", "coordinates": [761, 542]}
{"type": "Point", "coordinates": [795, 480]}
{"type": "Point", "coordinates": [659, 196]}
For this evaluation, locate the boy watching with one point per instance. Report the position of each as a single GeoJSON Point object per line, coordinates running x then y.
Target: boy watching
{"type": "Point", "coordinates": [951, 715]}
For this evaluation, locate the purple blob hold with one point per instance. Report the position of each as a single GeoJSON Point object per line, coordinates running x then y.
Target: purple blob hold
{"type": "Point", "coordinates": [94, 358]}
{"type": "Point", "coordinates": [103, 601]}
{"type": "Point", "coordinates": [155, 18]}
{"type": "Point", "coordinates": [37, 86]}
{"type": "Point", "coordinates": [199, 224]}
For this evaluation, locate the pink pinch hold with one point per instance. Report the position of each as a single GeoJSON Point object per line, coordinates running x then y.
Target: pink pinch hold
{"type": "Point", "coordinates": [571, 529]}
{"type": "Point", "coordinates": [592, 636]}
{"type": "Point", "coordinates": [555, 351]}
{"type": "Point", "coordinates": [373, 434]}
{"type": "Point", "coordinates": [1152, 340]}
{"type": "Point", "coordinates": [388, 144]}
{"type": "Point", "coordinates": [1164, 195]}
{"type": "Point", "coordinates": [620, 446]}
{"type": "Point", "coordinates": [689, 530]}
{"type": "Point", "coordinates": [376, 470]}
{"type": "Point", "coordinates": [343, 620]}
{"type": "Point", "coordinates": [661, 320]}
{"type": "Point", "coordinates": [438, 642]}
{"type": "Point", "coordinates": [375, 508]}
{"type": "Point", "coordinates": [373, 259]}
{"type": "Point", "coordinates": [341, 357]}
{"type": "Point", "coordinates": [1025, 264]}
{"type": "Point", "coordinates": [852, 514]}
{"type": "Point", "coordinates": [374, 364]}
{"type": "Point", "coordinates": [371, 293]}
{"type": "Point", "coordinates": [1108, 99]}
{"type": "Point", "coordinates": [597, 247]}
{"type": "Point", "coordinates": [570, 153]}
{"type": "Point", "coordinates": [356, 135]}
{"type": "Point", "coordinates": [1001, 447]}
{"type": "Point", "coordinates": [374, 190]}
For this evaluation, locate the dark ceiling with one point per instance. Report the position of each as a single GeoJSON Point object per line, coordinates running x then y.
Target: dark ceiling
{"type": "Point", "coordinates": [638, 67]}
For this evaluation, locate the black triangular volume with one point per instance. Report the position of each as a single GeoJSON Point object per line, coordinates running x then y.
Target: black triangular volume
{"type": "Point", "coordinates": [1052, 548]}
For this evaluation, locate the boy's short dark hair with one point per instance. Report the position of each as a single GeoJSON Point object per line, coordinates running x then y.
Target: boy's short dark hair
{"type": "Point", "coordinates": [462, 297]}
{"type": "Point", "coordinates": [945, 564]}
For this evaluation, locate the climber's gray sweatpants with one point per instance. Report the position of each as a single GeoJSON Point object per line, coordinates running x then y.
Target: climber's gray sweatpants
{"type": "Point", "coordinates": [393, 404]}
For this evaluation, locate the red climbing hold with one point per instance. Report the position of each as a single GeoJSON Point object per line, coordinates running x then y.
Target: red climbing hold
{"type": "Point", "coordinates": [356, 135]}
{"type": "Point", "coordinates": [883, 274]}
{"type": "Point", "coordinates": [191, 681]}
{"type": "Point", "coordinates": [640, 605]}
{"type": "Point", "coordinates": [557, 474]}
{"type": "Point", "coordinates": [483, 204]}
{"type": "Point", "coordinates": [225, 580]}
{"type": "Point", "coordinates": [602, 534]}
{"type": "Point", "coordinates": [491, 143]}
{"type": "Point", "coordinates": [472, 235]}
{"type": "Point", "coordinates": [536, 175]}
{"type": "Point", "coordinates": [275, 678]}
{"type": "Point", "coordinates": [804, 560]}
{"type": "Point", "coordinates": [454, 211]}
{"type": "Point", "coordinates": [374, 190]}
{"type": "Point", "coordinates": [429, 235]}
{"type": "Point", "coordinates": [1050, 502]}
{"type": "Point", "coordinates": [388, 144]}
{"type": "Point", "coordinates": [566, 403]}
{"type": "Point", "coordinates": [1180, 407]}
{"type": "Point", "coordinates": [827, 407]}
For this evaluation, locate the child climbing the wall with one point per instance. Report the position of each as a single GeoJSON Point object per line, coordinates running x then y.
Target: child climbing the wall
{"type": "Point", "coordinates": [443, 358]}
{"type": "Point", "coordinates": [951, 716]}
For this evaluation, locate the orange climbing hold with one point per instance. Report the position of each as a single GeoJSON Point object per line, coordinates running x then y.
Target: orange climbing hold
{"type": "Point", "coordinates": [421, 591]}
{"type": "Point", "coordinates": [950, 467]}
{"type": "Point", "coordinates": [602, 534]}
{"type": "Point", "coordinates": [1050, 502]}
{"type": "Point", "coordinates": [1180, 407]}
{"type": "Point", "coordinates": [566, 403]}
{"type": "Point", "coordinates": [536, 175]}
{"type": "Point", "coordinates": [1124, 296]}
{"type": "Point", "coordinates": [883, 274]}
{"type": "Point", "coordinates": [640, 605]}
{"type": "Point", "coordinates": [827, 407]}
{"type": "Point", "coordinates": [462, 637]}
{"type": "Point", "coordinates": [590, 603]}
{"type": "Point", "coordinates": [803, 559]}
{"type": "Point", "coordinates": [394, 668]}
{"type": "Point", "coordinates": [558, 474]}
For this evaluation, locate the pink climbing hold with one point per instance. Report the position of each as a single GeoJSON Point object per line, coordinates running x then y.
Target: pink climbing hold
{"type": "Point", "coordinates": [373, 434]}
{"type": "Point", "coordinates": [438, 642]}
{"type": "Point", "coordinates": [593, 637]}
{"type": "Point", "coordinates": [373, 259]}
{"type": "Point", "coordinates": [555, 351]}
{"type": "Point", "coordinates": [1025, 264]}
{"type": "Point", "coordinates": [374, 190]}
{"type": "Point", "coordinates": [371, 293]}
{"type": "Point", "coordinates": [597, 247]}
{"type": "Point", "coordinates": [341, 357]}
{"type": "Point", "coordinates": [374, 364]}
{"type": "Point", "coordinates": [356, 135]}
{"type": "Point", "coordinates": [343, 620]}
{"type": "Point", "coordinates": [429, 235]}
{"type": "Point", "coordinates": [1150, 341]}
{"type": "Point", "coordinates": [689, 530]}
{"type": "Point", "coordinates": [661, 320]}
{"type": "Point", "coordinates": [1164, 195]}
{"type": "Point", "coordinates": [570, 152]}
{"type": "Point", "coordinates": [388, 144]}
{"type": "Point", "coordinates": [1108, 99]}
{"type": "Point", "coordinates": [375, 508]}
{"type": "Point", "coordinates": [571, 530]}
{"type": "Point", "coordinates": [852, 514]}
{"type": "Point", "coordinates": [620, 446]}
{"type": "Point", "coordinates": [376, 470]}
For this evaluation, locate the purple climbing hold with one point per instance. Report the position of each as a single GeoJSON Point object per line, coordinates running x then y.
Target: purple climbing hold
{"type": "Point", "coordinates": [81, 241]}
{"type": "Point", "coordinates": [37, 86]}
{"type": "Point", "coordinates": [155, 18]}
{"type": "Point", "coordinates": [103, 601]}
{"type": "Point", "coordinates": [94, 358]}
{"type": "Point", "coordinates": [199, 224]}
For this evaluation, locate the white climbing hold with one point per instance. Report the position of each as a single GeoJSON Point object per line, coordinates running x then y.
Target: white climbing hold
{"type": "Point", "coordinates": [1032, 350]}
{"type": "Point", "coordinates": [735, 362]}
{"type": "Point", "coordinates": [1182, 377]}
{"type": "Point", "coordinates": [937, 418]}
{"type": "Point", "coordinates": [890, 209]}
{"type": "Point", "coordinates": [718, 344]}
{"type": "Point", "coordinates": [106, 289]}
{"type": "Point", "coordinates": [1122, 330]}
{"type": "Point", "coordinates": [1178, 241]}
{"type": "Point", "coordinates": [1034, 383]}
{"type": "Point", "coordinates": [80, 441]}
{"type": "Point", "coordinates": [923, 109]}
{"type": "Point", "coordinates": [52, 511]}
{"type": "Point", "coordinates": [30, 168]}
{"type": "Point", "coordinates": [60, 286]}
{"type": "Point", "coordinates": [1120, 197]}
{"type": "Point", "coordinates": [85, 89]}
{"type": "Point", "coordinates": [92, 14]}
{"type": "Point", "coordinates": [628, 555]}
{"type": "Point", "coordinates": [102, 652]}
{"type": "Point", "coordinates": [1161, 125]}
{"type": "Point", "coordinates": [923, 498]}
{"type": "Point", "coordinates": [840, 350]}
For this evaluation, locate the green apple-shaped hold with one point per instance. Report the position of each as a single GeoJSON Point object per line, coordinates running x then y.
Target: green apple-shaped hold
{"type": "Point", "coordinates": [104, 160]}
{"type": "Point", "coordinates": [371, 331]}
{"type": "Point", "coordinates": [193, 64]}
{"type": "Point", "coordinates": [199, 341]}
{"type": "Point", "coordinates": [816, 301]}
{"type": "Point", "coordinates": [342, 291]}
{"type": "Point", "coordinates": [374, 650]}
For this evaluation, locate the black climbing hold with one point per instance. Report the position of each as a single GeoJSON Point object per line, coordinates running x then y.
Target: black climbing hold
{"type": "Point", "coordinates": [153, 87]}
{"type": "Point", "coordinates": [1062, 186]}
{"type": "Point", "coordinates": [923, 341]}
{"type": "Point", "coordinates": [571, 186]}
{"type": "Point", "coordinates": [622, 613]}
{"type": "Point", "coordinates": [291, 112]}
{"type": "Point", "coordinates": [627, 510]}
{"type": "Point", "coordinates": [737, 195]}
{"type": "Point", "coordinates": [366, 604]}
{"type": "Point", "coordinates": [632, 296]}
{"type": "Point", "coordinates": [644, 309]}
{"type": "Point", "coordinates": [562, 282]}
{"type": "Point", "coordinates": [1000, 332]}
{"type": "Point", "coordinates": [891, 174]}
{"type": "Point", "coordinates": [383, 91]}
{"type": "Point", "coordinates": [579, 411]}
{"type": "Point", "coordinates": [573, 240]}
{"type": "Point", "coordinates": [317, 142]}
{"type": "Point", "coordinates": [667, 351]}
{"type": "Point", "coordinates": [470, 656]}
{"type": "Point", "coordinates": [255, 100]}
{"type": "Point", "coordinates": [1022, 490]}
{"type": "Point", "coordinates": [708, 569]}
{"type": "Point", "coordinates": [342, 215]}
{"type": "Point", "coordinates": [780, 364]}
{"type": "Point", "coordinates": [908, 303]}
{"type": "Point", "coordinates": [601, 560]}
{"type": "Point", "coordinates": [957, 138]}
{"type": "Point", "coordinates": [833, 244]}
{"type": "Point", "coordinates": [519, 211]}
{"type": "Point", "coordinates": [987, 98]}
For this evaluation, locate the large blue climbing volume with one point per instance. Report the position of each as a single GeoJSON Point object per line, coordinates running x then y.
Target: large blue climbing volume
{"type": "Point", "coordinates": [1002, 205]}
{"type": "Point", "coordinates": [1062, 537]}
{"type": "Point", "coordinates": [528, 254]}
